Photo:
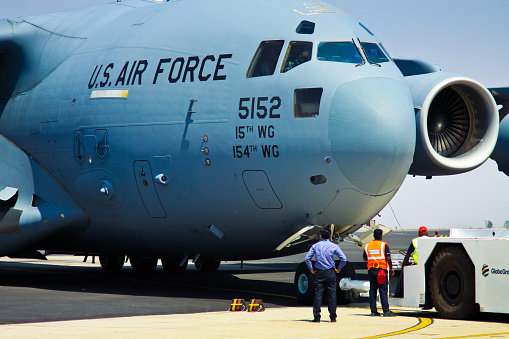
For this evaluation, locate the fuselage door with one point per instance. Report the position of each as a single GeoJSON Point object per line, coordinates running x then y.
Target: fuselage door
{"type": "Point", "coordinates": [260, 190]}
{"type": "Point", "coordinates": [148, 194]}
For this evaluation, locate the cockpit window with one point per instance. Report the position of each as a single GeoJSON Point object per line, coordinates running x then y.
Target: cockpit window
{"type": "Point", "coordinates": [306, 102]}
{"type": "Point", "coordinates": [265, 59]}
{"type": "Point", "coordinates": [385, 51]}
{"type": "Point", "coordinates": [306, 27]}
{"type": "Point", "coordinates": [343, 51]}
{"type": "Point", "coordinates": [298, 52]}
{"type": "Point", "coordinates": [374, 53]}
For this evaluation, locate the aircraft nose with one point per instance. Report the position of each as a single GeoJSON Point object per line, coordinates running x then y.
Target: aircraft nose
{"type": "Point", "coordinates": [372, 133]}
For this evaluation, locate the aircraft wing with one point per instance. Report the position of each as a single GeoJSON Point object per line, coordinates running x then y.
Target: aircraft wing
{"type": "Point", "coordinates": [6, 81]}
{"type": "Point", "coordinates": [501, 96]}
{"type": "Point", "coordinates": [33, 205]}
{"type": "Point", "coordinates": [501, 152]}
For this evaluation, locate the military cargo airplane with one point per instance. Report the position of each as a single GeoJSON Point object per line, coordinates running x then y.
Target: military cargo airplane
{"type": "Point", "coordinates": [166, 130]}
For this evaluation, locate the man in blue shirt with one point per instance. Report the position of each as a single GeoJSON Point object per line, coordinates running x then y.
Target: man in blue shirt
{"type": "Point", "coordinates": [325, 273]}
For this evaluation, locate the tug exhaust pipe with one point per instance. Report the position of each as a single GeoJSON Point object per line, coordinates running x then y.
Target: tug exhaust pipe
{"type": "Point", "coordinates": [354, 287]}
{"type": "Point", "coordinates": [360, 286]}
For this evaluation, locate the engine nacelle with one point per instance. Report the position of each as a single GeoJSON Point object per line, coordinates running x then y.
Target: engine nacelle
{"type": "Point", "coordinates": [457, 123]}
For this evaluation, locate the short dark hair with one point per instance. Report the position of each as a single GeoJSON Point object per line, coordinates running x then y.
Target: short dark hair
{"type": "Point", "coordinates": [325, 234]}
{"type": "Point", "coordinates": [378, 234]}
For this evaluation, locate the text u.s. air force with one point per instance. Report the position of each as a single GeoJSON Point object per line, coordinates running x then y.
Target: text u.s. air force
{"type": "Point", "coordinates": [172, 70]}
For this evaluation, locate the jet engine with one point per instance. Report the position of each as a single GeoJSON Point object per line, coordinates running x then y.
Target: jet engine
{"type": "Point", "coordinates": [457, 123]}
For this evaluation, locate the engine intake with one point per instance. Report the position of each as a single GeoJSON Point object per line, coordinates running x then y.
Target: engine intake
{"type": "Point", "coordinates": [457, 123]}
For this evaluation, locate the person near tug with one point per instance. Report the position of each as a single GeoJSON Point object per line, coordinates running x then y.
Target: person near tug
{"type": "Point", "coordinates": [378, 256]}
{"type": "Point", "coordinates": [324, 272]}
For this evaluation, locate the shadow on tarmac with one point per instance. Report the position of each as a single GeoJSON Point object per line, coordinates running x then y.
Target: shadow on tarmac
{"type": "Point", "coordinates": [34, 292]}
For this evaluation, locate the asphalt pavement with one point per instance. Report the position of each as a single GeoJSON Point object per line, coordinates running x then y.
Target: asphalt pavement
{"type": "Point", "coordinates": [65, 288]}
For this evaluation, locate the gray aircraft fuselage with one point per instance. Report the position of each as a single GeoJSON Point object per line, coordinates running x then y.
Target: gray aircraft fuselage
{"type": "Point", "coordinates": [146, 115]}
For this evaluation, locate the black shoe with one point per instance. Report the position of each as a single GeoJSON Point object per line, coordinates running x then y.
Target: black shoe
{"type": "Point", "coordinates": [375, 314]}
{"type": "Point", "coordinates": [332, 320]}
{"type": "Point", "coordinates": [390, 314]}
{"type": "Point", "coordinates": [316, 320]}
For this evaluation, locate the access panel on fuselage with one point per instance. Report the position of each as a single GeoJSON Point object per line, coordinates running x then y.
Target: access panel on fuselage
{"type": "Point", "coordinates": [148, 194]}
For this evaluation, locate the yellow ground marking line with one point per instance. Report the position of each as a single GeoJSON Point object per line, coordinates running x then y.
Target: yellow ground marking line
{"type": "Point", "coordinates": [221, 289]}
{"type": "Point", "coordinates": [161, 283]}
{"type": "Point", "coordinates": [237, 291]}
{"type": "Point", "coordinates": [200, 287]}
{"type": "Point", "coordinates": [423, 322]}
{"type": "Point", "coordinates": [476, 335]}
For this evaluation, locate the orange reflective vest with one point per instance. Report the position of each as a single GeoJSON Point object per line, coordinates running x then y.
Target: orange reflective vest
{"type": "Point", "coordinates": [375, 251]}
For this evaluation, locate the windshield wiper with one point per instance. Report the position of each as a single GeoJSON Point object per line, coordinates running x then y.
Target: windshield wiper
{"type": "Point", "coordinates": [359, 51]}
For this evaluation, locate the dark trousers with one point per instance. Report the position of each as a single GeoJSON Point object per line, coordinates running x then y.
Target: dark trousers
{"type": "Point", "coordinates": [325, 278]}
{"type": "Point", "coordinates": [399, 287]}
{"type": "Point", "coordinates": [374, 286]}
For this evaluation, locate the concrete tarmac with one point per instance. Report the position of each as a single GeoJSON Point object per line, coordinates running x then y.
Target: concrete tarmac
{"type": "Point", "coordinates": [65, 297]}
{"type": "Point", "coordinates": [287, 322]}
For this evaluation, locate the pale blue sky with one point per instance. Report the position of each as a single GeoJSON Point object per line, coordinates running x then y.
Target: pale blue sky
{"type": "Point", "coordinates": [468, 37]}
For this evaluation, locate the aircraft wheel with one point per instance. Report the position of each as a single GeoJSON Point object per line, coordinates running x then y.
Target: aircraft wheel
{"type": "Point", "coordinates": [143, 265]}
{"type": "Point", "coordinates": [172, 265]}
{"type": "Point", "coordinates": [112, 263]}
{"type": "Point", "coordinates": [452, 284]}
{"type": "Point", "coordinates": [345, 297]}
{"type": "Point", "coordinates": [204, 265]}
{"type": "Point", "coordinates": [304, 284]}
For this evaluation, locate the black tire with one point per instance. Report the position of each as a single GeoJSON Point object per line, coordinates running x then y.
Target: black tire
{"type": "Point", "coordinates": [143, 265]}
{"type": "Point", "coordinates": [345, 297]}
{"type": "Point", "coordinates": [111, 263]}
{"type": "Point", "coordinates": [172, 265]}
{"type": "Point", "coordinates": [452, 284]}
{"type": "Point", "coordinates": [207, 266]}
{"type": "Point", "coordinates": [304, 285]}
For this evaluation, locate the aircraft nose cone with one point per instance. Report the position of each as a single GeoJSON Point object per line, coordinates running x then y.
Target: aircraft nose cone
{"type": "Point", "coordinates": [372, 133]}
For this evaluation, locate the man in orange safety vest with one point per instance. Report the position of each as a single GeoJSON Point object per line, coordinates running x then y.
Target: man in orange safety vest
{"type": "Point", "coordinates": [378, 256]}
